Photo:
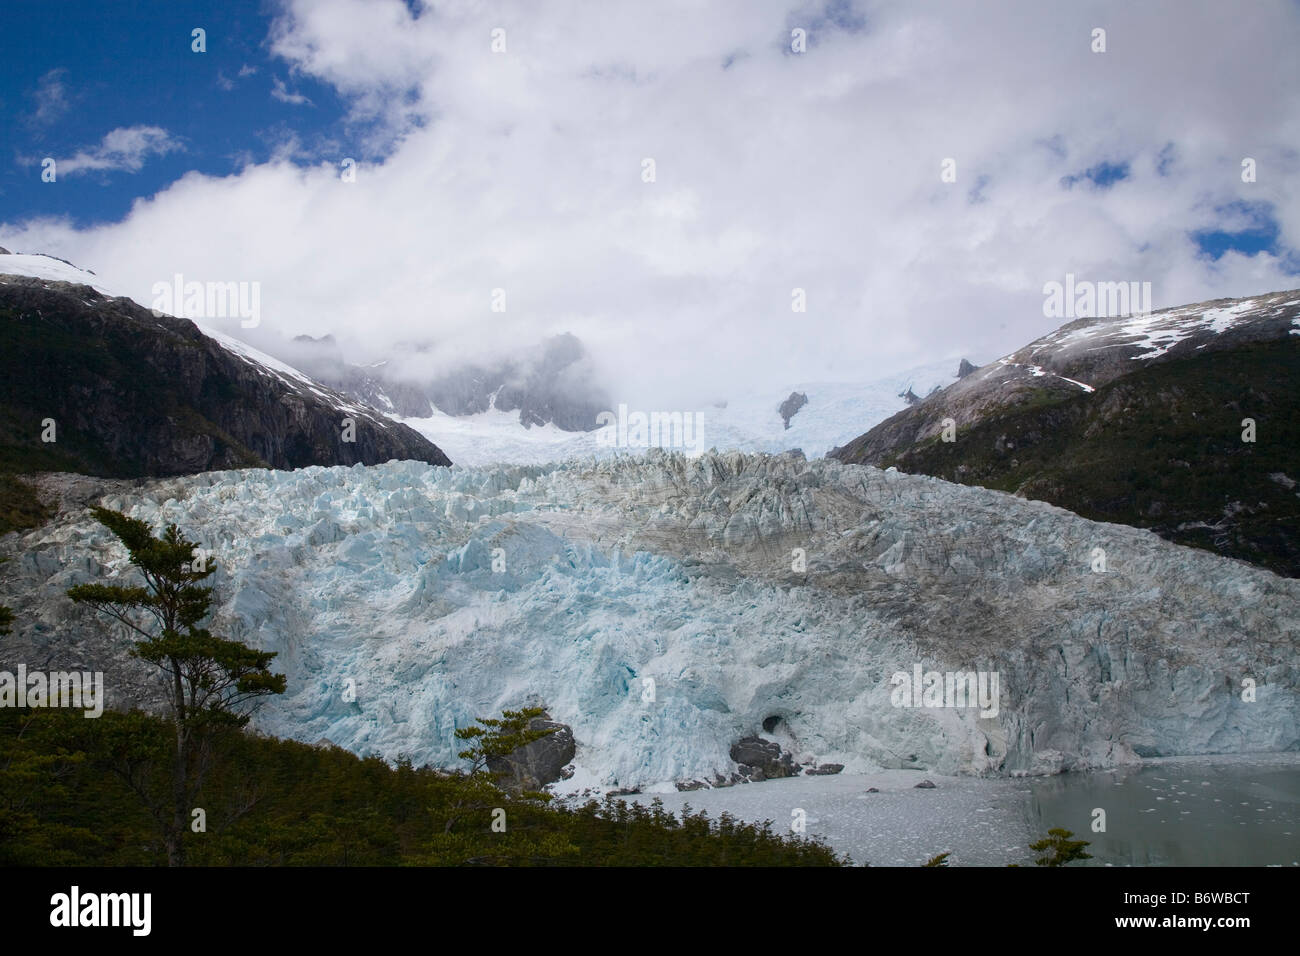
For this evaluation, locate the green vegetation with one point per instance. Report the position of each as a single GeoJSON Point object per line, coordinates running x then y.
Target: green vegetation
{"type": "Point", "coordinates": [65, 799]}
{"type": "Point", "coordinates": [495, 738]}
{"type": "Point", "coordinates": [20, 508]}
{"type": "Point", "coordinates": [1162, 452]}
{"type": "Point", "coordinates": [209, 680]}
{"type": "Point", "coordinates": [1062, 849]}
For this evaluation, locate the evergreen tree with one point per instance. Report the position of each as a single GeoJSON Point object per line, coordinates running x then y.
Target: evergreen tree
{"type": "Point", "coordinates": [1063, 849]}
{"type": "Point", "coordinates": [208, 680]}
{"type": "Point", "coordinates": [493, 738]}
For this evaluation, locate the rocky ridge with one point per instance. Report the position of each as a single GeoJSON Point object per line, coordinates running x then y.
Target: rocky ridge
{"type": "Point", "coordinates": [134, 393]}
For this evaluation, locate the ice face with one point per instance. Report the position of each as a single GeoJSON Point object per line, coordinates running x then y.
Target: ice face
{"type": "Point", "coordinates": [433, 596]}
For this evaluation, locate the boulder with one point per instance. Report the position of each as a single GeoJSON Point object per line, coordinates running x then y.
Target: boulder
{"type": "Point", "coordinates": [761, 759]}
{"type": "Point", "coordinates": [539, 763]}
{"type": "Point", "coordinates": [824, 769]}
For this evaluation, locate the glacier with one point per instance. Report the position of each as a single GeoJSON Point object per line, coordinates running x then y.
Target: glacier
{"type": "Point", "coordinates": [406, 600]}
{"type": "Point", "coordinates": [749, 421]}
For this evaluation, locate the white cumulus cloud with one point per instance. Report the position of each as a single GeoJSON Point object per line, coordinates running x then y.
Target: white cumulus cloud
{"type": "Point", "coordinates": [525, 171]}
{"type": "Point", "coordinates": [124, 149]}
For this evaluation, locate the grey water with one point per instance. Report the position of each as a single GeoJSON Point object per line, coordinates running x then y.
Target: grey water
{"type": "Point", "coordinates": [1187, 811]}
{"type": "Point", "coordinates": [1177, 811]}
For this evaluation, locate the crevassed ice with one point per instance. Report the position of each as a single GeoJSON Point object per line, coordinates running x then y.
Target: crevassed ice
{"type": "Point", "coordinates": [441, 595]}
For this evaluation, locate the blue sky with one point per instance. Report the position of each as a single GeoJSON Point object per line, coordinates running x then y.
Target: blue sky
{"type": "Point", "coordinates": [1259, 233]}
{"type": "Point", "coordinates": [72, 72]}
{"type": "Point", "coordinates": [522, 169]}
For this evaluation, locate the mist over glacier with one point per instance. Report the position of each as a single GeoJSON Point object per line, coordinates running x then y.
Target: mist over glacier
{"type": "Point", "coordinates": [747, 421]}
{"type": "Point", "coordinates": [441, 595]}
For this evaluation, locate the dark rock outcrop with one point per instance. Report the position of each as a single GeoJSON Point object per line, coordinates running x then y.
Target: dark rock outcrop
{"type": "Point", "coordinates": [964, 369]}
{"type": "Point", "coordinates": [790, 407]}
{"type": "Point", "coordinates": [719, 781]}
{"type": "Point", "coordinates": [136, 394]}
{"type": "Point", "coordinates": [824, 769]}
{"type": "Point", "coordinates": [372, 385]}
{"type": "Point", "coordinates": [760, 759]}
{"type": "Point", "coordinates": [539, 763]}
{"type": "Point", "coordinates": [551, 383]}
{"type": "Point", "coordinates": [925, 785]}
{"type": "Point", "coordinates": [557, 386]}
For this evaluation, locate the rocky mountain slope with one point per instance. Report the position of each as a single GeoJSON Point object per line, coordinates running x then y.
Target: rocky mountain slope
{"type": "Point", "coordinates": [657, 605]}
{"type": "Point", "coordinates": [1137, 420]}
{"type": "Point", "coordinates": [553, 383]}
{"type": "Point", "coordinates": [556, 384]}
{"type": "Point", "coordinates": [132, 393]}
{"type": "Point", "coordinates": [323, 359]}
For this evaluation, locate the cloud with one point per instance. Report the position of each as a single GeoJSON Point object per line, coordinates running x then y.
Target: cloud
{"type": "Point", "coordinates": [124, 149]}
{"type": "Point", "coordinates": [228, 83]}
{"type": "Point", "coordinates": [51, 99]}
{"type": "Point", "coordinates": [524, 171]}
{"type": "Point", "coordinates": [280, 92]}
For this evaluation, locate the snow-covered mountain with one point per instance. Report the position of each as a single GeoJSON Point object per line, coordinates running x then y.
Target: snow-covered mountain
{"type": "Point", "coordinates": [1081, 357]}
{"type": "Point", "coordinates": [1185, 421]}
{"type": "Point", "coordinates": [55, 270]}
{"type": "Point", "coordinates": [439, 595]}
{"type": "Point", "coordinates": [527, 413]}
{"type": "Point", "coordinates": [130, 391]}
{"type": "Point", "coordinates": [552, 382]}
{"type": "Point", "coordinates": [370, 384]}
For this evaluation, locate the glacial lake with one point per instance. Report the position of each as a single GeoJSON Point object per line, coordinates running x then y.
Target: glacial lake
{"type": "Point", "coordinates": [1173, 811]}
{"type": "Point", "coordinates": [1185, 811]}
